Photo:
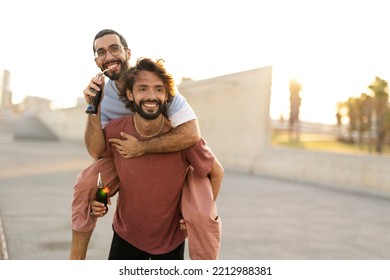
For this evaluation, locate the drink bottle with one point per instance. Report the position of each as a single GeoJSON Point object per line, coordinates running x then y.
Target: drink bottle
{"type": "Point", "coordinates": [93, 105]}
{"type": "Point", "coordinates": [102, 192]}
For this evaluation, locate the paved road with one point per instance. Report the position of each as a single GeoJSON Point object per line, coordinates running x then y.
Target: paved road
{"type": "Point", "coordinates": [262, 218]}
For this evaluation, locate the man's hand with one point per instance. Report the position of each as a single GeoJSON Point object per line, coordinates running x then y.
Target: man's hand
{"type": "Point", "coordinates": [98, 209]}
{"type": "Point", "coordinates": [96, 83]}
{"type": "Point", "coordinates": [129, 147]}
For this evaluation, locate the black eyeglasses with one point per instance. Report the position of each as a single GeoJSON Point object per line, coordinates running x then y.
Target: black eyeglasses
{"type": "Point", "coordinates": [113, 49]}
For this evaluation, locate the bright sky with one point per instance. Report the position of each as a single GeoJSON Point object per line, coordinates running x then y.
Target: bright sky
{"type": "Point", "coordinates": [335, 47]}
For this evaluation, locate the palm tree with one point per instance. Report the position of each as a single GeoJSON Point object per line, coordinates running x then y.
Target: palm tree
{"type": "Point", "coordinates": [353, 116]}
{"type": "Point", "coordinates": [295, 103]}
{"type": "Point", "coordinates": [381, 100]}
{"type": "Point", "coordinates": [366, 111]}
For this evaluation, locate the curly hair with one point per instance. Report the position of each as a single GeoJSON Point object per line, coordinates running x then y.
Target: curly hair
{"type": "Point", "coordinates": [146, 64]}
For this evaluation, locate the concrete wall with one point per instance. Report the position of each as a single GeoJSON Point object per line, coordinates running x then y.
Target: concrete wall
{"type": "Point", "coordinates": [67, 124]}
{"type": "Point", "coordinates": [347, 171]}
{"type": "Point", "coordinates": [233, 114]}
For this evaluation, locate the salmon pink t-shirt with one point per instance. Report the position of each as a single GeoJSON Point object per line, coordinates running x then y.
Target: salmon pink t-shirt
{"type": "Point", "coordinates": [148, 206]}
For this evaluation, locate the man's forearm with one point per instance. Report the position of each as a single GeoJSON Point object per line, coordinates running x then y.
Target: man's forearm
{"type": "Point", "coordinates": [216, 176]}
{"type": "Point", "coordinates": [80, 241]}
{"type": "Point", "coordinates": [94, 137]}
{"type": "Point", "coordinates": [179, 138]}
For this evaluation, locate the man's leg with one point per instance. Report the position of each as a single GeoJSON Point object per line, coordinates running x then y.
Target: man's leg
{"type": "Point", "coordinates": [84, 191]}
{"type": "Point", "coordinates": [123, 250]}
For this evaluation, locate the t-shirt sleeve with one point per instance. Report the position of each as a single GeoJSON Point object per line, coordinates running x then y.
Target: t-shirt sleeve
{"type": "Point", "coordinates": [179, 111]}
{"type": "Point", "coordinates": [200, 157]}
{"type": "Point", "coordinates": [108, 152]}
{"type": "Point", "coordinates": [104, 119]}
{"type": "Point", "coordinates": [112, 106]}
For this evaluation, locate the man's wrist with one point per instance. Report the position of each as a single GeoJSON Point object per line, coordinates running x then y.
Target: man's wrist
{"type": "Point", "coordinates": [144, 147]}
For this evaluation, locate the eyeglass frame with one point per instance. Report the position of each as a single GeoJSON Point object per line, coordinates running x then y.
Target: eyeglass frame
{"type": "Point", "coordinates": [109, 50]}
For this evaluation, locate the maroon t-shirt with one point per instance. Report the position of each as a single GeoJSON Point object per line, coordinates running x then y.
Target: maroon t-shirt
{"type": "Point", "coordinates": [147, 214]}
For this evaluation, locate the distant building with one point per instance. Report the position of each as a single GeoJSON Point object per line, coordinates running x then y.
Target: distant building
{"type": "Point", "coordinates": [5, 92]}
{"type": "Point", "coordinates": [35, 105]}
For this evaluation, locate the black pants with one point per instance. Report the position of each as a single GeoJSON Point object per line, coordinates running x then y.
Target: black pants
{"type": "Point", "coordinates": [122, 250]}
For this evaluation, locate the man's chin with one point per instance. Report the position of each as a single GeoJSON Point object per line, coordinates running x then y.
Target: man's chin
{"type": "Point", "coordinates": [113, 76]}
{"type": "Point", "coordinates": [150, 117]}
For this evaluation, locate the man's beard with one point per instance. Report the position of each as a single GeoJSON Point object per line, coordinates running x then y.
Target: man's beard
{"type": "Point", "coordinates": [116, 75]}
{"type": "Point", "coordinates": [147, 115]}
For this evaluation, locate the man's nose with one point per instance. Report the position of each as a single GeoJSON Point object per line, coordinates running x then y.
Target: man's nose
{"type": "Point", "coordinates": [150, 94]}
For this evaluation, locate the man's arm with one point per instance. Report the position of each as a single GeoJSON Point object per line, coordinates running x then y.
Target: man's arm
{"type": "Point", "coordinates": [79, 247]}
{"type": "Point", "coordinates": [94, 137]}
{"type": "Point", "coordinates": [179, 138]}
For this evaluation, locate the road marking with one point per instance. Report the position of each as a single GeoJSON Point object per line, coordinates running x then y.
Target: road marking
{"type": "Point", "coordinates": [4, 251]}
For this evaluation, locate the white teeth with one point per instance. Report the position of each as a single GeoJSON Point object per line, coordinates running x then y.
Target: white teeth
{"type": "Point", "coordinates": [109, 67]}
{"type": "Point", "coordinates": [150, 105]}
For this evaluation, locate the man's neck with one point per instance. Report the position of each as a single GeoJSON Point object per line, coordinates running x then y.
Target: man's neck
{"type": "Point", "coordinates": [118, 84]}
{"type": "Point", "coordinates": [148, 128]}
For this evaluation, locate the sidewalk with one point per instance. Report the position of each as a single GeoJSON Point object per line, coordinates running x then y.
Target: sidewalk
{"type": "Point", "coordinates": [3, 244]}
{"type": "Point", "coordinates": [262, 218]}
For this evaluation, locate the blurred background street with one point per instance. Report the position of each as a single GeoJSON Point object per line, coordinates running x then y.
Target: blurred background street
{"type": "Point", "coordinates": [262, 218]}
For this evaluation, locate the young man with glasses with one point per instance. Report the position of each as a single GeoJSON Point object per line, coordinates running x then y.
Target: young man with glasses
{"type": "Point", "coordinates": [112, 56]}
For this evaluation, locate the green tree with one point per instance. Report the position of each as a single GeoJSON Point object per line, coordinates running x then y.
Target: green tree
{"type": "Point", "coordinates": [353, 115]}
{"type": "Point", "coordinates": [295, 103]}
{"type": "Point", "coordinates": [381, 101]}
{"type": "Point", "coordinates": [366, 107]}
{"type": "Point", "coordinates": [358, 110]}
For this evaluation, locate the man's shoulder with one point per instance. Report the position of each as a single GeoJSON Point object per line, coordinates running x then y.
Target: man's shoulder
{"type": "Point", "coordinates": [119, 121]}
{"type": "Point", "coordinates": [110, 87]}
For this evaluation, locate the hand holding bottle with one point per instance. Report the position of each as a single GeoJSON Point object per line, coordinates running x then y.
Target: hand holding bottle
{"type": "Point", "coordinates": [93, 93]}
{"type": "Point", "coordinates": [99, 206]}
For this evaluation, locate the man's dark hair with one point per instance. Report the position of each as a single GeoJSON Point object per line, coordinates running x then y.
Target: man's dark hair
{"type": "Point", "coordinates": [107, 32]}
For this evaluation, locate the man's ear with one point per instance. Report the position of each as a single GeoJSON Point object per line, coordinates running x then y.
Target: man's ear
{"type": "Point", "coordinates": [128, 54]}
{"type": "Point", "coordinates": [97, 64]}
